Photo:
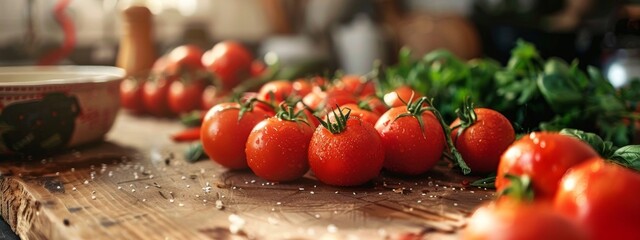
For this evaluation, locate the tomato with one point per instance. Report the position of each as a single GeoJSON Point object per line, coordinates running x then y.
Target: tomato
{"type": "Point", "coordinates": [224, 135]}
{"type": "Point", "coordinates": [184, 59]}
{"type": "Point", "coordinates": [257, 68]}
{"type": "Point", "coordinates": [315, 99]}
{"type": "Point", "coordinates": [358, 112]}
{"type": "Point", "coordinates": [160, 65]}
{"type": "Point", "coordinates": [544, 157]}
{"type": "Point", "coordinates": [375, 104]}
{"type": "Point", "coordinates": [482, 143]}
{"type": "Point", "coordinates": [520, 221]}
{"type": "Point", "coordinates": [603, 197]}
{"type": "Point", "coordinates": [319, 100]}
{"type": "Point", "coordinates": [155, 96]}
{"type": "Point", "coordinates": [301, 87]}
{"type": "Point", "coordinates": [229, 61]}
{"type": "Point", "coordinates": [400, 94]}
{"type": "Point", "coordinates": [185, 96]}
{"type": "Point", "coordinates": [310, 117]}
{"type": "Point", "coordinates": [211, 96]}
{"type": "Point", "coordinates": [280, 89]}
{"type": "Point", "coordinates": [409, 148]}
{"type": "Point", "coordinates": [349, 156]}
{"type": "Point", "coordinates": [277, 149]}
{"type": "Point", "coordinates": [356, 85]}
{"type": "Point", "coordinates": [131, 94]}
{"type": "Point", "coordinates": [318, 81]}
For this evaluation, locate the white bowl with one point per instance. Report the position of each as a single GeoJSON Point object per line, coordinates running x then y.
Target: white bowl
{"type": "Point", "coordinates": [44, 109]}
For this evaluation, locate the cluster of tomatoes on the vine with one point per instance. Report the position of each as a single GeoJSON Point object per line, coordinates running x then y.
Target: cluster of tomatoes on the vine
{"type": "Point", "coordinates": [189, 78]}
{"type": "Point", "coordinates": [345, 133]}
{"type": "Point", "coordinates": [554, 186]}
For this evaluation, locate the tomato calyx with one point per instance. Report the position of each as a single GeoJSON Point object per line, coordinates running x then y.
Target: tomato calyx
{"type": "Point", "coordinates": [520, 188]}
{"type": "Point", "coordinates": [288, 113]}
{"type": "Point", "coordinates": [467, 116]}
{"type": "Point", "coordinates": [454, 154]}
{"type": "Point", "coordinates": [249, 105]}
{"type": "Point", "coordinates": [364, 103]}
{"type": "Point", "coordinates": [341, 121]}
{"type": "Point", "coordinates": [415, 110]}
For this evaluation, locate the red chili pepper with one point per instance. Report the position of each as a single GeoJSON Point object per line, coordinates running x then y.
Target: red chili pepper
{"type": "Point", "coordinates": [69, 35]}
{"type": "Point", "coordinates": [188, 135]}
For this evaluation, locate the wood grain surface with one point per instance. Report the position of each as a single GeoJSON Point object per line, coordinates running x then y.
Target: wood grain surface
{"type": "Point", "coordinates": [137, 185]}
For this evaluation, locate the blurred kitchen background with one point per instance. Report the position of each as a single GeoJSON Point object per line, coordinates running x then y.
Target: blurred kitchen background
{"type": "Point", "coordinates": [331, 34]}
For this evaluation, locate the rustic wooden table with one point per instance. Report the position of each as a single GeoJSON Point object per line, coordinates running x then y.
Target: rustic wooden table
{"type": "Point", "coordinates": [137, 185]}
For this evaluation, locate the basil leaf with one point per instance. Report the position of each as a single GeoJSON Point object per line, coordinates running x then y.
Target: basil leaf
{"type": "Point", "coordinates": [192, 119]}
{"type": "Point", "coordinates": [559, 92]}
{"type": "Point", "coordinates": [195, 153]}
{"type": "Point", "coordinates": [628, 156]}
{"type": "Point", "coordinates": [556, 66]}
{"type": "Point", "coordinates": [488, 182]}
{"type": "Point", "coordinates": [604, 148]}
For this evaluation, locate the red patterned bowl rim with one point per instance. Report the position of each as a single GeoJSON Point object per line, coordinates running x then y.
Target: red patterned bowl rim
{"type": "Point", "coordinates": [59, 75]}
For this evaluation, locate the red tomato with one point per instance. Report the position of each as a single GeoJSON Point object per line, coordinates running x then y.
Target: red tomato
{"type": "Point", "coordinates": [482, 143]}
{"type": "Point", "coordinates": [520, 221]}
{"type": "Point", "coordinates": [314, 99]}
{"type": "Point", "coordinates": [277, 149]}
{"type": "Point", "coordinates": [310, 117]}
{"type": "Point", "coordinates": [257, 68]}
{"type": "Point", "coordinates": [185, 96]}
{"type": "Point", "coordinates": [410, 149]}
{"type": "Point", "coordinates": [349, 158]}
{"type": "Point", "coordinates": [402, 93]}
{"type": "Point", "coordinates": [281, 89]}
{"type": "Point", "coordinates": [318, 81]}
{"type": "Point", "coordinates": [320, 101]}
{"type": "Point", "coordinates": [211, 96]}
{"type": "Point", "coordinates": [229, 61]}
{"type": "Point", "coordinates": [224, 135]}
{"type": "Point", "coordinates": [332, 101]}
{"type": "Point", "coordinates": [184, 59]}
{"type": "Point", "coordinates": [603, 197]}
{"type": "Point", "coordinates": [375, 104]}
{"type": "Point", "coordinates": [160, 65]}
{"type": "Point", "coordinates": [155, 96]}
{"type": "Point", "coordinates": [544, 157]}
{"type": "Point", "coordinates": [358, 112]}
{"type": "Point", "coordinates": [301, 87]}
{"type": "Point", "coordinates": [131, 94]}
{"type": "Point", "coordinates": [356, 85]}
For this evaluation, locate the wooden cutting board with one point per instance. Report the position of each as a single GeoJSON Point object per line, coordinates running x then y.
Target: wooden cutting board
{"type": "Point", "coordinates": [137, 185]}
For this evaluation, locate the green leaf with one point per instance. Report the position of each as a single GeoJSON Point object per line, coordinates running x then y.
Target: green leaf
{"type": "Point", "coordinates": [604, 148]}
{"type": "Point", "coordinates": [523, 57]}
{"type": "Point", "coordinates": [404, 56]}
{"type": "Point", "coordinates": [559, 92]}
{"type": "Point", "coordinates": [488, 182]}
{"type": "Point", "coordinates": [600, 84]}
{"type": "Point", "coordinates": [192, 119]}
{"type": "Point", "coordinates": [524, 50]}
{"type": "Point", "coordinates": [519, 188]}
{"type": "Point", "coordinates": [631, 92]}
{"type": "Point", "coordinates": [195, 153]}
{"type": "Point", "coordinates": [628, 156]}
{"type": "Point", "coordinates": [556, 66]}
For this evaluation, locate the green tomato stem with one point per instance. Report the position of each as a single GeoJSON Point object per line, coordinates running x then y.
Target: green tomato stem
{"type": "Point", "coordinates": [447, 135]}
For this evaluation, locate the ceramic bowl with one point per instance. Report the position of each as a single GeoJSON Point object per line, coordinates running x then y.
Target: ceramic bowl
{"type": "Point", "coordinates": [44, 109]}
